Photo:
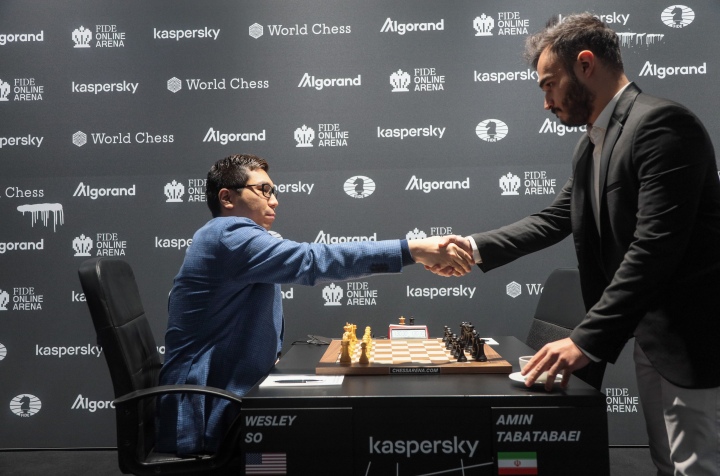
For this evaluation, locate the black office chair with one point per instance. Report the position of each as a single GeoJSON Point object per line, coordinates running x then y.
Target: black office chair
{"type": "Point", "coordinates": [127, 341]}
{"type": "Point", "coordinates": [558, 311]}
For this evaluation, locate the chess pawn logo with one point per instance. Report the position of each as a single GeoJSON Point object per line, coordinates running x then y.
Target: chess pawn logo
{"type": "Point", "coordinates": [174, 191]}
{"type": "Point", "coordinates": [483, 25]}
{"type": "Point", "coordinates": [415, 235]}
{"type": "Point", "coordinates": [510, 184]}
{"type": "Point", "coordinates": [81, 37]}
{"type": "Point", "coordinates": [332, 295]}
{"type": "Point", "coordinates": [4, 90]}
{"type": "Point", "coordinates": [4, 300]}
{"type": "Point", "coordinates": [82, 245]}
{"type": "Point", "coordinates": [400, 81]}
{"type": "Point", "coordinates": [304, 136]}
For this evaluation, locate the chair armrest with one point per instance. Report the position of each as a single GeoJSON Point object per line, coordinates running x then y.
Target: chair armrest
{"type": "Point", "coordinates": [169, 389]}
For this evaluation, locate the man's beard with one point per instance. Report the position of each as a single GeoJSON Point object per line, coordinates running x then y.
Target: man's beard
{"type": "Point", "coordinates": [577, 103]}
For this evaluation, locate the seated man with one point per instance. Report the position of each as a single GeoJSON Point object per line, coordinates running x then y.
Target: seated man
{"type": "Point", "coordinates": [225, 326]}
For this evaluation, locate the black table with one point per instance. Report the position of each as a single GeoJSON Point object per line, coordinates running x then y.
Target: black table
{"type": "Point", "coordinates": [467, 424]}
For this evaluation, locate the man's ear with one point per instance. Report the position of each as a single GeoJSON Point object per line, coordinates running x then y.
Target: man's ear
{"type": "Point", "coordinates": [585, 63]}
{"type": "Point", "coordinates": [225, 198]}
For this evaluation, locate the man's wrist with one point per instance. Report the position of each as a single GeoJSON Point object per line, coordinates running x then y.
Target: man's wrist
{"type": "Point", "coordinates": [476, 253]}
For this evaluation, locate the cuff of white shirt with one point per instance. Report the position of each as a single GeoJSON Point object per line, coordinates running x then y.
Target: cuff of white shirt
{"type": "Point", "coordinates": [476, 252]}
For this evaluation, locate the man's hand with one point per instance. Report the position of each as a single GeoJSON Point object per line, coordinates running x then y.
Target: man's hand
{"type": "Point", "coordinates": [561, 356]}
{"type": "Point", "coordinates": [447, 242]}
{"type": "Point", "coordinates": [447, 260]}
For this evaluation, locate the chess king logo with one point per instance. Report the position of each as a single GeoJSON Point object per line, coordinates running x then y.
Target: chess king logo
{"type": "Point", "coordinates": [174, 192]}
{"type": "Point", "coordinates": [4, 300]}
{"type": "Point", "coordinates": [81, 36]}
{"type": "Point", "coordinates": [677, 16]}
{"type": "Point", "coordinates": [4, 90]}
{"type": "Point", "coordinates": [332, 295]}
{"type": "Point", "coordinates": [491, 130]}
{"type": "Point", "coordinates": [82, 245]}
{"type": "Point", "coordinates": [25, 405]}
{"type": "Point", "coordinates": [483, 25]}
{"type": "Point", "coordinates": [510, 184]}
{"type": "Point", "coordinates": [359, 186]}
{"type": "Point", "coordinates": [400, 81]}
{"type": "Point", "coordinates": [304, 136]}
{"type": "Point", "coordinates": [42, 211]}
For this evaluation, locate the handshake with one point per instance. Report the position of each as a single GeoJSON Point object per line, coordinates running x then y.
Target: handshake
{"type": "Point", "coordinates": [450, 255]}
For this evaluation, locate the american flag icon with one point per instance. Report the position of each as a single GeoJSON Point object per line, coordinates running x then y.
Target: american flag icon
{"type": "Point", "coordinates": [265, 463]}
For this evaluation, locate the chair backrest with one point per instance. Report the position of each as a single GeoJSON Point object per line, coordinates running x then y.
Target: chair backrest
{"type": "Point", "coordinates": [558, 311]}
{"type": "Point", "coordinates": [124, 333]}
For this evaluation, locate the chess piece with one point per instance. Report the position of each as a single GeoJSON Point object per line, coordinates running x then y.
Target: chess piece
{"type": "Point", "coordinates": [402, 321]}
{"type": "Point", "coordinates": [461, 354]}
{"type": "Point", "coordinates": [479, 350]}
{"type": "Point", "coordinates": [363, 356]}
{"type": "Point", "coordinates": [345, 354]}
{"type": "Point", "coordinates": [446, 334]}
{"type": "Point", "coordinates": [412, 320]}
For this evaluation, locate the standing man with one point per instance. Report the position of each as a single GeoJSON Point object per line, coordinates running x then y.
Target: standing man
{"type": "Point", "coordinates": [225, 325]}
{"type": "Point", "coordinates": [643, 206]}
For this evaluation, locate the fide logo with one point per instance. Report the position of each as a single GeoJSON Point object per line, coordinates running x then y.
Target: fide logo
{"type": "Point", "coordinates": [510, 184]}
{"type": "Point", "coordinates": [81, 36]}
{"type": "Point", "coordinates": [677, 16]}
{"type": "Point", "coordinates": [513, 289]}
{"type": "Point", "coordinates": [42, 211]}
{"type": "Point", "coordinates": [256, 30]}
{"type": "Point", "coordinates": [304, 136]}
{"type": "Point", "coordinates": [332, 295]}
{"type": "Point", "coordinates": [400, 81]}
{"type": "Point", "coordinates": [25, 405]}
{"type": "Point", "coordinates": [359, 186]}
{"type": "Point", "coordinates": [174, 192]}
{"type": "Point", "coordinates": [4, 300]}
{"type": "Point", "coordinates": [79, 138]}
{"type": "Point", "coordinates": [491, 130]}
{"type": "Point", "coordinates": [174, 85]}
{"type": "Point", "coordinates": [483, 25]}
{"type": "Point", "coordinates": [82, 245]}
{"type": "Point", "coordinates": [4, 90]}
{"type": "Point", "coordinates": [415, 234]}
{"type": "Point", "coordinates": [3, 352]}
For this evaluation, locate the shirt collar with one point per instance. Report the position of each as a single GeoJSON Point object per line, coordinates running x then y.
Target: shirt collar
{"type": "Point", "coordinates": [601, 123]}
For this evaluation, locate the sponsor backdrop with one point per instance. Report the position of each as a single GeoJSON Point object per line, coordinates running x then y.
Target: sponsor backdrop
{"type": "Point", "coordinates": [379, 119]}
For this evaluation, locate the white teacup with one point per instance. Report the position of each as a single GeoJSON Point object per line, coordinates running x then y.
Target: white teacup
{"type": "Point", "coordinates": [524, 361]}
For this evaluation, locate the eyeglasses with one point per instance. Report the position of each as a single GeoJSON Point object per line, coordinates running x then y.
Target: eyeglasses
{"type": "Point", "coordinates": [266, 189]}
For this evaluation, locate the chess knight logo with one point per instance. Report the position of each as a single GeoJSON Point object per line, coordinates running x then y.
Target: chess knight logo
{"type": "Point", "coordinates": [4, 90]}
{"type": "Point", "coordinates": [513, 289]}
{"type": "Point", "coordinates": [510, 184]}
{"type": "Point", "coordinates": [677, 16]}
{"type": "Point", "coordinates": [79, 138]}
{"type": "Point", "coordinates": [491, 130]}
{"type": "Point", "coordinates": [82, 245]}
{"type": "Point", "coordinates": [174, 191]}
{"type": "Point", "coordinates": [415, 234]}
{"type": "Point", "coordinates": [4, 300]}
{"type": "Point", "coordinates": [25, 405]}
{"type": "Point", "coordinates": [359, 186]}
{"type": "Point", "coordinates": [81, 37]}
{"type": "Point", "coordinates": [483, 25]}
{"type": "Point", "coordinates": [304, 136]}
{"type": "Point", "coordinates": [256, 30]}
{"type": "Point", "coordinates": [400, 81]}
{"type": "Point", "coordinates": [42, 211]}
{"type": "Point", "coordinates": [332, 295]}
{"type": "Point", "coordinates": [174, 85]}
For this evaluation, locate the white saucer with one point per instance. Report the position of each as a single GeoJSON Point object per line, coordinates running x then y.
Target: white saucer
{"type": "Point", "coordinates": [520, 379]}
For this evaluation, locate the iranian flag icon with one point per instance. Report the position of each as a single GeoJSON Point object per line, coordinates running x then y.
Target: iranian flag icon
{"type": "Point", "coordinates": [517, 463]}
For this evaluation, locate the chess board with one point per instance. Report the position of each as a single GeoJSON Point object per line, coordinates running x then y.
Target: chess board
{"type": "Point", "coordinates": [412, 356]}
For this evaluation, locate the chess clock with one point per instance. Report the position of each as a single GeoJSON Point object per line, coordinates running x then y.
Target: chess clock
{"type": "Point", "coordinates": [399, 331]}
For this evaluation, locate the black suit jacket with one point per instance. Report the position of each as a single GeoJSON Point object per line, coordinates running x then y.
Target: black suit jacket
{"type": "Point", "coordinates": [653, 268]}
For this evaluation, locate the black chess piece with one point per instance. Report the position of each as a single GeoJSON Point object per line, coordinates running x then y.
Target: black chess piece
{"type": "Point", "coordinates": [461, 354]}
{"type": "Point", "coordinates": [480, 350]}
{"type": "Point", "coordinates": [446, 335]}
{"type": "Point", "coordinates": [412, 320]}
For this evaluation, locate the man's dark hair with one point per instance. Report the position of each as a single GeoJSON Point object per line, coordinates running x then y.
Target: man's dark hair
{"type": "Point", "coordinates": [574, 34]}
{"type": "Point", "coordinates": [230, 172]}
